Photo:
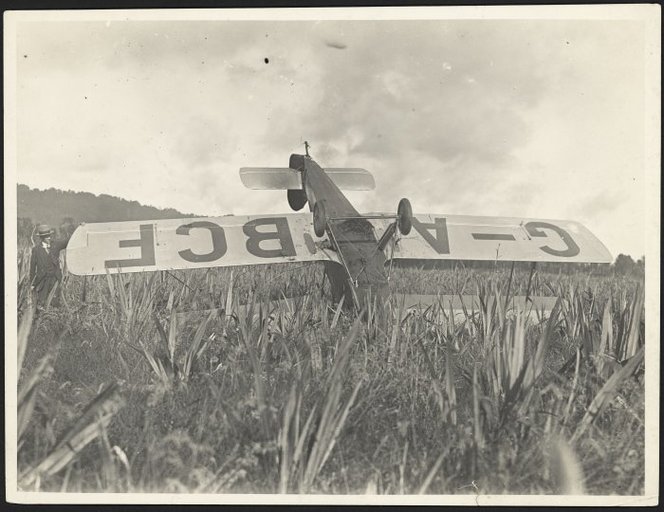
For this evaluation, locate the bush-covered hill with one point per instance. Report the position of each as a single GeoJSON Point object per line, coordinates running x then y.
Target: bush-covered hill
{"type": "Point", "coordinates": [60, 207]}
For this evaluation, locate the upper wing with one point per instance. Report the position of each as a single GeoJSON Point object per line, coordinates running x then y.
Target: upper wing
{"type": "Point", "coordinates": [140, 246]}
{"type": "Point", "coordinates": [462, 237]}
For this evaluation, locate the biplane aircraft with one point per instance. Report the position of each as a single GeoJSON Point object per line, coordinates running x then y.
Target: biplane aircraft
{"type": "Point", "coordinates": [355, 249]}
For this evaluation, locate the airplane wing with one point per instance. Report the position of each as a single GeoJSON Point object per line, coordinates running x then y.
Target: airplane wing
{"type": "Point", "coordinates": [169, 244]}
{"type": "Point", "coordinates": [463, 237]}
{"type": "Point", "coordinates": [285, 178]}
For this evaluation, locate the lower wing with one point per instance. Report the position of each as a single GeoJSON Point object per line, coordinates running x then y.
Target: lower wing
{"type": "Point", "coordinates": [462, 237]}
{"type": "Point", "coordinates": [169, 244]}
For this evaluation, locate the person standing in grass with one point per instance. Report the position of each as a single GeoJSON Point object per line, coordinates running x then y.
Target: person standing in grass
{"type": "Point", "coordinates": [45, 271]}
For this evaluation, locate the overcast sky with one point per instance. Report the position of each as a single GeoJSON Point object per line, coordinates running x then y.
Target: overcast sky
{"type": "Point", "coordinates": [488, 117]}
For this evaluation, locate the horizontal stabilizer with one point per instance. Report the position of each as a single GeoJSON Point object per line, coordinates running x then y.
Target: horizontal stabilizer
{"type": "Point", "coordinates": [465, 237]}
{"type": "Point", "coordinates": [351, 178]}
{"type": "Point", "coordinates": [271, 178]}
{"type": "Point", "coordinates": [285, 178]}
{"type": "Point", "coordinates": [170, 244]}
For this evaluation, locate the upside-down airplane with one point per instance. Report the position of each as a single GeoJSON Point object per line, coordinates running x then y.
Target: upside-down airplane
{"type": "Point", "coordinates": [356, 249]}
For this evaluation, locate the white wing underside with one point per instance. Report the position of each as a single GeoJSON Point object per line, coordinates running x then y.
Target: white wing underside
{"type": "Point", "coordinates": [465, 237]}
{"type": "Point", "coordinates": [170, 244]}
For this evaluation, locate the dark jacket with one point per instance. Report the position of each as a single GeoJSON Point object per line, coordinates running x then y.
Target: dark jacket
{"type": "Point", "coordinates": [45, 265]}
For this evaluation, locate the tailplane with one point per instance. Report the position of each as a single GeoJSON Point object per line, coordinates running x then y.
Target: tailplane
{"type": "Point", "coordinates": [285, 178]}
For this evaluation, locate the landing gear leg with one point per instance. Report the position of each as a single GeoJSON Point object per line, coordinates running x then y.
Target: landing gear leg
{"type": "Point", "coordinates": [404, 222]}
{"type": "Point", "coordinates": [336, 276]}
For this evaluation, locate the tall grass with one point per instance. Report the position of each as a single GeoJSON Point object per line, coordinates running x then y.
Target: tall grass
{"type": "Point", "coordinates": [305, 448]}
{"type": "Point", "coordinates": [206, 382]}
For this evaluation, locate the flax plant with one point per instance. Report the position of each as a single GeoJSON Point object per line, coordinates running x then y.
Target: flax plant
{"type": "Point", "coordinates": [85, 429]}
{"type": "Point", "coordinates": [273, 391]}
{"type": "Point", "coordinates": [304, 449]}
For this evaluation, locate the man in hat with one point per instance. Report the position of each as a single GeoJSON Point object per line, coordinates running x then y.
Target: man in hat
{"type": "Point", "coordinates": [45, 272]}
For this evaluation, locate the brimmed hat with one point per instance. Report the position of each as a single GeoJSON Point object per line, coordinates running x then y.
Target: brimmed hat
{"type": "Point", "coordinates": [44, 230]}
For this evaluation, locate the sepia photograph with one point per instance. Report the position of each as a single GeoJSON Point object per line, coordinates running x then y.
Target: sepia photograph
{"type": "Point", "coordinates": [333, 256]}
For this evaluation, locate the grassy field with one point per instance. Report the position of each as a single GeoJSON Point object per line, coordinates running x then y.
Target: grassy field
{"type": "Point", "coordinates": [135, 383]}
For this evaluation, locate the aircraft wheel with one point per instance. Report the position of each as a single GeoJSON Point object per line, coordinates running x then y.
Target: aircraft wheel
{"type": "Point", "coordinates": [404, 216]}
{"type": "Point", "coordinates": [320, 218]}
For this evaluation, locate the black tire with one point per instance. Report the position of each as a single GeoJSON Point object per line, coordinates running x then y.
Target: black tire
{"type": "Point", "coordinates": [404, 216]}
{"type": "Point", "coordinates": [320, 218]}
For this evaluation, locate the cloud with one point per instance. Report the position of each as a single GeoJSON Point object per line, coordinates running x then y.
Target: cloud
{"type": "Point", "coordinates": [602, 203]}
{"type": "Point", "coordinates": [463, 116]}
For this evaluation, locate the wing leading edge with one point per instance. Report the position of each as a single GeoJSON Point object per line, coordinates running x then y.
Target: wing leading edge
{"type": "Point", "coordinates": [461, 237]}
{"type": "Point", "coordinates": [170, 244]}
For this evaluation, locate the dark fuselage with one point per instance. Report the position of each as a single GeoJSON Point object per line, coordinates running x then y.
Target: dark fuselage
{"type": "Point", "coordinates": [363, 272]}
